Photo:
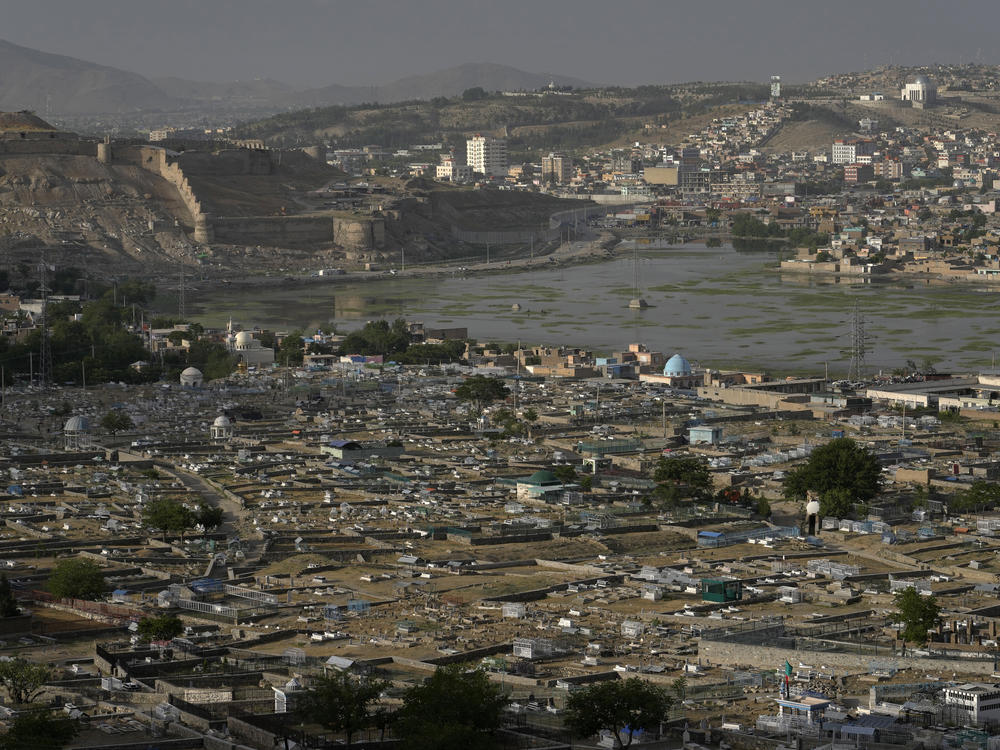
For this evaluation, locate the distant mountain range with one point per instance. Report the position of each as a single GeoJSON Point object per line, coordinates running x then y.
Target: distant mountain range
{"type": "Point", "coordinates": [49, 83]}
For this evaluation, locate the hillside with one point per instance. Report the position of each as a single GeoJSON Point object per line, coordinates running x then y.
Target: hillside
{"type": "Point", "coordinates": [563, 121]}
{"type": "Point", "coordinates": [40, 81]}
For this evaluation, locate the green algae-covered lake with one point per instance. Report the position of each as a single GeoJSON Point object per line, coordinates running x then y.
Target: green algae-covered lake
{"type": "Point", "coordinates": [719, 307]}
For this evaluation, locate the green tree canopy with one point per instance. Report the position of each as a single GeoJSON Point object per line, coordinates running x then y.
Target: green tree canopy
{"type": "Point", "coordinates": [34, 730]}
{"type": "Point", "coordinates": [8, 604]}
{"type": "Point", "coordinates": [565, 473]}
{"type": "Point", "coordinates": [168, 515]}
{"type": "Point", "coordinates": [690, 471]}
{"type": "Point", "coordinates": [980, 495]}
{"type": "Point", "coordinates": [475, 93]}
{"type": "Point", "coordinates": [481, 391]}
{"type": "Point", "coordinates": [116, 421]}
{"type": "Point", "coordinates": [836, 503]}
{"type": "Point", "coordinates": [290, 351]}
{"type": "Point", "coordinates": [618, 706]}
{"type": "Point", "coordinates": [917, 613]}
{"type": "Point", "coordinates": [161, 628]}
{"type": "Point", "coordinates": [382, 337]}
{"type": "Point", "coordinates": [77, 578]}
{"type": "Point", "coordinates": [22, 679]}
{"type": "Point", "coordinates": [209, 516]}
{"type": "Point", "coordinates": [841, 464]}
{"type": "Point", "coordinates": [341, 702]}
{"type": "Point", "coordinates": [455, 709]}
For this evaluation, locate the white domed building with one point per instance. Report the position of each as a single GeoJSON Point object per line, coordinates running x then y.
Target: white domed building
{"type": "Point", "coordinates": [920, 92]}
{"type": "Point", "coordinates": [76, 433]}
{"type": "Point", "coordinates": [677, 373]}
{"type": "Point", "coordinates": [249, 350]}
{"type": "Point", "coordinates": [191, 377]}
{"type": "Point", "coordinates": [222, 428]}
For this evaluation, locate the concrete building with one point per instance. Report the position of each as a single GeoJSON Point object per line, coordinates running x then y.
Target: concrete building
{"type": "Point", "coordinates": [848, 151]}
{"type": "Point", "coordinates": [487, 155]}
{"type": "Point", "coordinates": [76, 433]}
{"type": "Point", "coordinates": [978, 701]}
{"type": "Point", "coordinates": [677, 373]}
{"type": "Point", "coordinates": [920, 92]}
{"type": "Point", "coordinates": [449, 169]}
{"type": "Point", "coordinates": [222, 428]}
{"type": "Point", "coordinates": [191, 377]}
{"type": "Point", "coordinates": [249, 350]}
{"type": "Point", "coordinates": [557, 167]}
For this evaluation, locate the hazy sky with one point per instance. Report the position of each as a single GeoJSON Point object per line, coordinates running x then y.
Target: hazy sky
{"type": "Point", "coordinates": [317, 42]}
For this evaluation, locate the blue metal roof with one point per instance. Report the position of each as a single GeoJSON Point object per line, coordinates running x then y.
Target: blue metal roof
{"type": "Point", "coordinates": [343, 443]}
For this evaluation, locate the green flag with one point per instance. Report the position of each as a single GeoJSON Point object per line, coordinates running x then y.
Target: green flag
{"type": "Point", "coordinates": [788, 669]}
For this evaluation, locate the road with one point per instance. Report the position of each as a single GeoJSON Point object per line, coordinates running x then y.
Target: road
{"type": "Point", "coordinates": [236, 522]}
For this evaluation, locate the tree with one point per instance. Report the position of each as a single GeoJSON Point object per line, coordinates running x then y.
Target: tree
{"type": "Point", "coordinates": [168, 515]}
{"type": "Point", "coordinates": [116, 421]}
{"type": "Point", "coordinates": [981, 495]}
{"type": "Point", "coordinates": [618, 706]}
{"type": "Point", "coordinates": [474, 94]}
{"type": "Point", "coordinates": [918, 614]}
{"type": "Point", "coordinates": [565, 473]}
{"type": "Point", "coordinates": [481, 391]}
{"type": "Point", "coordinates": [209, 516]}
{"type": "Point", "coordinates": [31, 730]}
{"type": "Point", "coordinates": [683, 471]}
{"type": "Point", "coordinates": [161, 628]}
{"type": "Point", "coordinates": [530, 416]}
{"type": "Point", "coordinates": [22, 679]}
{"type": "Point", "coordinates": [841, 464]}
{"type": "Point", "coordinates": [763, 508]}
{"type": "Point", "coordinates": [290, 350]}
{"type": "Point", "coordinates": [341, 702]}
{"type": "Point", "coordinates": [77, 578]}
{"type": "Point", "coordinates": [836, 503]}
{"type": "Point", "coordinates": [455, 709]}
{"type": "Point", "coordinates": [8, 604]}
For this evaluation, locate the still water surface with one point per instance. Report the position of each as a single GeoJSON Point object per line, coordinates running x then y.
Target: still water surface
{"type": "Point", "coordinates": [719, 307]}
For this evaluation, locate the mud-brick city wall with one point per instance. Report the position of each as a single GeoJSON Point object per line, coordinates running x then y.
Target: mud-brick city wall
{"type": "Point", "coordinates": [768, 657]}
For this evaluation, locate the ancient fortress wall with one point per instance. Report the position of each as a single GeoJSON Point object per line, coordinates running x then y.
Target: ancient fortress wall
{"type": "Point", "coordinates": [47, 146]}
{"type": "Point", "coordinates": [156, 160]}
{"type": "Point", "coordinates": [356, 235]}
{"type": "Point", "coordinates": [352, 234]}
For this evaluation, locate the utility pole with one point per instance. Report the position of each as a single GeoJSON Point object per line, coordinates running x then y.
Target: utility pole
{"type": "Point", "coordinates": [858, 340]}
{"type": "Point", "coordinates": [181, 306]}
{"type": "Point", "coordinates": [45, 366]}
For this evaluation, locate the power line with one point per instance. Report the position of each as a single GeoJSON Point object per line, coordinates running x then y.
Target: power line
{"type": "Point", "coordinates": [45, 364]}
{"type": "Point", "coordinates": [181, 305]}
{"type": "Point", "coordinates": [858, 345]}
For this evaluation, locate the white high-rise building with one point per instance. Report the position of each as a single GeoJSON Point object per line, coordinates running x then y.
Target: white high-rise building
{"type": "Point", "coordinates": [487, 155]}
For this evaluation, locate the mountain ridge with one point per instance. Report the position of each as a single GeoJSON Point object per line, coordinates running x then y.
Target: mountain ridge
{"type": "Point", "coordinates": [48, 82]}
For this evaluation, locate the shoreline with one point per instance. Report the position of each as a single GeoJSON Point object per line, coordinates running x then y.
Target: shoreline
{"type": "Point", "coordinates": [578, 252]}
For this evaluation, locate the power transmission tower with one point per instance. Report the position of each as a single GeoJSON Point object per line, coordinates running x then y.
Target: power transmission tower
{"type": "Point", "coordinates": [858, 345]}
{"type": "Point", "coordinates": [181, 305]}
{"type": "Point", "coordinates": [45, 364]}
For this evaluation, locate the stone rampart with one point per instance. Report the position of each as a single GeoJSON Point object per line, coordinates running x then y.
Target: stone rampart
{"type": "Point", "coordinates": [54, 145]}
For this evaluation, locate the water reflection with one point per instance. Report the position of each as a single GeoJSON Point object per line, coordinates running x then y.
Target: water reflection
{"type": "Point", "coordinates": [717, 306]}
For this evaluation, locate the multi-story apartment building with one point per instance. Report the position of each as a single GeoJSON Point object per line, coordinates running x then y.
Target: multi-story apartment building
{"type": "Point", "coordinates": [487, 155]}
{"type": "Point", "coordinates": [557, 167]}
{"type": "Point", "coordinates": [848, 151]}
